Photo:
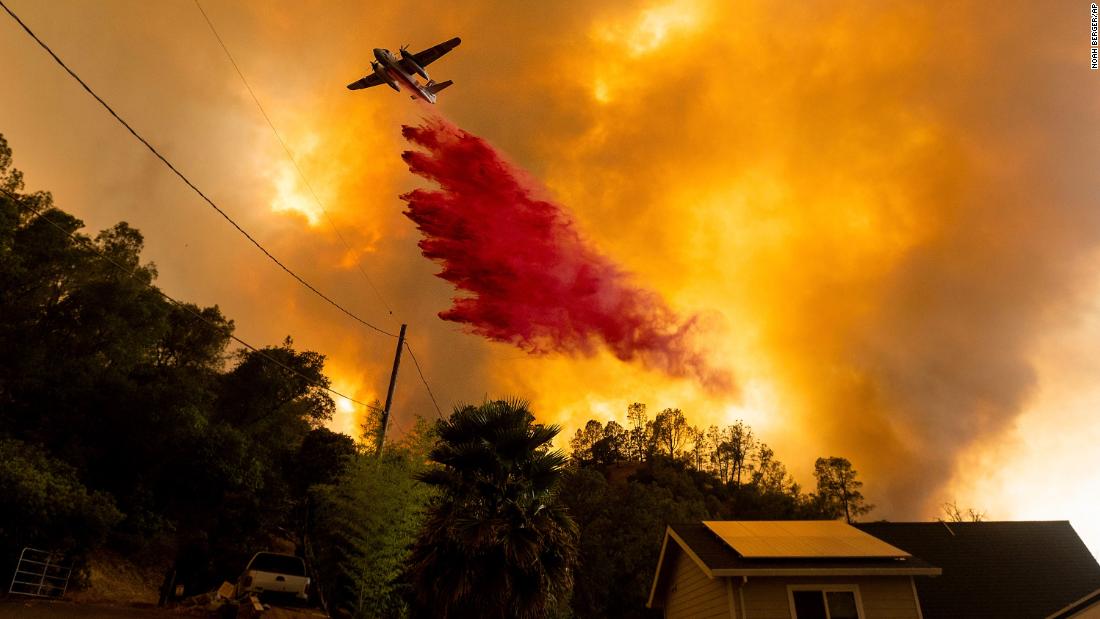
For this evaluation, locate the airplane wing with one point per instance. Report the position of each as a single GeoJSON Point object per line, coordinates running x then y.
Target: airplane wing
{"type": "Point", "coordinates": [432, 54]}
{"type": "Point", "coordinates": [366, 82]}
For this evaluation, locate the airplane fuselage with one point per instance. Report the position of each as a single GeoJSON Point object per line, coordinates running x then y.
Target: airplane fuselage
{"type": "Point", "coordinates": [391, 65]}
{"type": "Point", "coordinates": [395, 70]}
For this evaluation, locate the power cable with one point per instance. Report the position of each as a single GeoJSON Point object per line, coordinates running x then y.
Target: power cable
{"type": "Point", "coordinates": [290, 155]}
{"type": "Point", "coordinates": [313, 193]}
{"type": "Point", "coordinates": [186, 180]}
{"type": "Point", "coordinates": [424, 380]}
{"type": "Point", "coordinates": [132, 273]}
{"type": "Point", "coordinates": [221, 212]}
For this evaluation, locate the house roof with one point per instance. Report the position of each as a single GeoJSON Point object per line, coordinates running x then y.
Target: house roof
{"type": "Point", "coordinates": [995, 569]}
{"type": "Point", "coordinates": [1071, 610]}
{"type": "Point", "coordinates": [719, 559]}
{"type": "Point", "coordinates": [800, 539]}
{"type": "Point", "coordinates": [716, 558]}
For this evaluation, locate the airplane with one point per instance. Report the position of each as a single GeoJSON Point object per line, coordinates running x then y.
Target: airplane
{"type": "Point", "coordinates": [391, 70]}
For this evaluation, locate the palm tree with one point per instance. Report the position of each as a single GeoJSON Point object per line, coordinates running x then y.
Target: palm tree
{"type": "Point", "coordinates": [496, 542]}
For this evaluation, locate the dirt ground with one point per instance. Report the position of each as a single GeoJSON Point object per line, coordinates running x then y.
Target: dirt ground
{"type": "Point", "coordinates": [16, 608]}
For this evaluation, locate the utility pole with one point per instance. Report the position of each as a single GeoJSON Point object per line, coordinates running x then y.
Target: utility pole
{"type": "Point", "coordinates": [389, 392]}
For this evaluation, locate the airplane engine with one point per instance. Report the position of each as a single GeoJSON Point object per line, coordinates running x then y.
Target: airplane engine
{"type": "Point", "coordinates": [409, 58]}
{"type": "Point", "coordinates": [384, 75]}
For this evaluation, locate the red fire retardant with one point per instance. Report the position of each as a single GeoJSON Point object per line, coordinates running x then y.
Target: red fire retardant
{"type": "Point", "coordinates": [531, 279]}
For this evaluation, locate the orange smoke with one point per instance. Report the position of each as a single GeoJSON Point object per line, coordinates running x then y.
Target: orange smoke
{"type": "Point", "coordinates": [890, 204]}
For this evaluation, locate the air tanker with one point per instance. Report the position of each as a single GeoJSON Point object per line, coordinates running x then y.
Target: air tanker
{"type": "Point", "coordinates": [388, 68]}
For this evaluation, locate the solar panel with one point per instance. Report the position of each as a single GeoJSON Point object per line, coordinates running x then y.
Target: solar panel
{"type": "Point", "coordinates": [800, 539]}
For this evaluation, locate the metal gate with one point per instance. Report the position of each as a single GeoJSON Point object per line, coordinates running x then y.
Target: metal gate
{"type": "Point", "coordinates": [40, 573]}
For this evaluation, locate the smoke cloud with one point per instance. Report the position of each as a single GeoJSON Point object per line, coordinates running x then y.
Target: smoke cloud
{"type": "Point", "coordinates": [533, 280]}
{"type": "Point", "coordinates": [895, 204]}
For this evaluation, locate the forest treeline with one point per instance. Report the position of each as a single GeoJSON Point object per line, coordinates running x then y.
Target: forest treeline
{"type": "Point", "coordinates": [127, 419]}
{"type": "Point", "coordinates": [132, 422]}
{"type": "Point", "coordinates": [626, 483]}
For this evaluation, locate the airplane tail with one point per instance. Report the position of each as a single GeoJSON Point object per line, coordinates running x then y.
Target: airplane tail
{"type": "Point", "coordinates": [433, 88]}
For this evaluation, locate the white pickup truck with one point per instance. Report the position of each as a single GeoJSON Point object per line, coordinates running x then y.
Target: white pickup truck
{"type": "Point", "coordinates": [272, 574]}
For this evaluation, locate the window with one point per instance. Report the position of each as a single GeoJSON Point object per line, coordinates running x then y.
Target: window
{"type": "Point", "coordinates": [277, 564]}
{"type": "Point", "coordinates": [818, 602]}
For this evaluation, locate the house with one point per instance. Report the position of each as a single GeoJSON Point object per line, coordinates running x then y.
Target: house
{"type": "Point", "coordinates": [877, 570]}
{"type": "Point", "coordinates": [999, 570]}
{"type": "Point", "coordinates": [784, 570]}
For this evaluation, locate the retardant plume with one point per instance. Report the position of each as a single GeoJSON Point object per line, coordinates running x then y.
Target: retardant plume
{"type": "Point", "coordinates": [533, 280]}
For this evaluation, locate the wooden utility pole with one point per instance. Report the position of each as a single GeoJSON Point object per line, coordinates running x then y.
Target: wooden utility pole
{"type": "Point", "coordinates": [389, 392]}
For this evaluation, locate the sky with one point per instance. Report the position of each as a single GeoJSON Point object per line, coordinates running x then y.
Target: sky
{"type": "Point", "coordinates": [884, 212]}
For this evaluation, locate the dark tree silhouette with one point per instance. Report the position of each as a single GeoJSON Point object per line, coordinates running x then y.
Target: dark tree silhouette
{"type": "Point", "coordinates": [584, 440]}
{"type": "Point", "coordinates": [953, 513]}
{"type": "Point", "coordinates": [838, 489]}
{"type": "Point", "coordinates": [670, 431]}
{"type": "Point", "coordinates": [496, 542]}
{"type": "Point", "coordinates": [125, 419]}
{"type": "Point", "coordinates": [637, 438]}
{"type": "Point", "coordinates": [610, 448]}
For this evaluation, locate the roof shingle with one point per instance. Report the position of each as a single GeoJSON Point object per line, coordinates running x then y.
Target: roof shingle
{"type": "Point", "coordinates": [995, 570]}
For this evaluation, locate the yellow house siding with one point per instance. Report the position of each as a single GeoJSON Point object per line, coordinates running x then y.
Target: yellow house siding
{"type": "Point", "coordinates": [883, 597]}
{"type": "Point", "coordinates": [766, 598]}
{"type": "Point", "coordinates": [888, 598]}
{"type": "Point", "coordinates": [692, 594]}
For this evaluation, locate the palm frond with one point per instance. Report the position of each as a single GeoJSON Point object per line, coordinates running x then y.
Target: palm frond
{"type": "Point", "coordinates": [495, 542]}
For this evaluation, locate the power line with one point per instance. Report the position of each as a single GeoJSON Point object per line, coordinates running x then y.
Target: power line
{"type": "Point", "coordinates": [313, 193]}
{"type": "Point", "coordinates": [186, 180]}
{"type": "Point", "coordinates": [221, 212]}
{"type": "Point", "coordinates": [132, 273]}
{"type": "Point", "coordinates": [290, 155]}
{"type": "Point", "coordinates": [424, 380]}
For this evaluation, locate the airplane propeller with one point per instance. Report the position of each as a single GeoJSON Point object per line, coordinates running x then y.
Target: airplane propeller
{"type": "Point", "coordinates": [411, 60]}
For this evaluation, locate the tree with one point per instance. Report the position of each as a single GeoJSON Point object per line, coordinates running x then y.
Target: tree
{"type": "Point", "coordinates": [496, 542]}
{"type": "Point", "coordinates": [261, 457]}
{"type": "Point", "coordinates": [637, 442]}
{"type": "Point", "coordinates": [838, 489]}
{"type": "Point", "coordinates": [740, 445]}
{"type": "Point", "coordinates": [366, 522]}
{"type": "Point", "coordinates": [195, 339]}
{"type": "Point", "coordinates": [955, 514]}
{"type": "Point", "coordinates": [697, 448]}
{"type": "Point", "coordinates": [611, 446]}
{"type": "Point", "coordinates": [769, 474]}
{"type": "Point", "coordinates": [321, 459]}
{"type": "Point", "coordinates": [128, 409]}
{"type": "Point", "coordinates": [731, 451]}
{"type": "Point", "coordinates": [584, 440]}
{"type": "Point", "coordinates": [43, 503]}
{"type": "Point", "coordinates": [670, 431]}
{"type": "Point", "coordinates": [621, 525]}
{"type": "Point", "coordinates": [277, 386]}
{"type": "Point", "coordinates": [621, 507]}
